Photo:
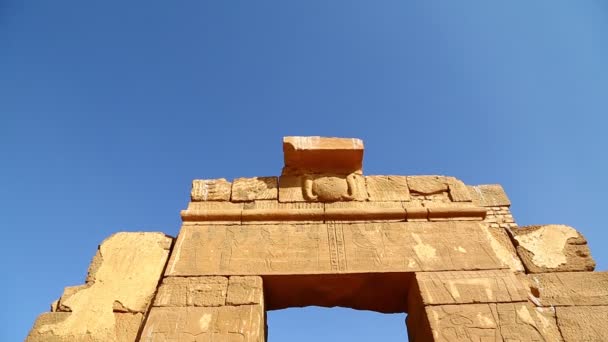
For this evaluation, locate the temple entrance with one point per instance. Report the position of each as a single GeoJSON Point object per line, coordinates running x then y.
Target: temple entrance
{"type": "Point", "coordinates": [344, 307]}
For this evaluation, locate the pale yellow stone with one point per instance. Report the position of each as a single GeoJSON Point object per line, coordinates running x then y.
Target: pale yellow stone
{"type": "Point", "coordinates": [490, 322]}
{"type": "Point", "coordinates": [124, 329]}
{"type": "Point", "coordinates": [489, 195]}
{"type": "Point", "coordinates": [245, 290]}
{"type": "Point", "coordinates": [192, 291]}
{"type": "Point", "coordinates": [244, 323]}
{"type": "Point", "coordinates": [569, 288]}
{"type": "Point", "coordinates": [123, 275]}
{"type": "Point", "coordinates": [427, 185]}
{"type": "Point", "coordinates": [552, 248]}
{"type": "Point", "coordinates": [305, 155]}
{"type": "Point", "coordinates": [468, 287]}
{"type": "Point", "coordinates": [332, 247]}
{"type": "Point", "coordinates": [583, 323]}
{"type": "Point", "coordinates": [387, 188]}
{"type": "Point", "coordinates": [256, 188]}
{"type": "Point", "coordinates": [210, 190]}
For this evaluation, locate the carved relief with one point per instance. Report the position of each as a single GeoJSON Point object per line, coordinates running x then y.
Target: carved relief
{"type": "Point", "coordinates": [331, 188]}
{"type": "Point", "coordinates": [322, 188]}
{"type": "Point", "coordinates": [332, 247]}
{"type": "Point", "coordinates": [490, 322]}
{"type": "Point", "coordinates": [244, 323]}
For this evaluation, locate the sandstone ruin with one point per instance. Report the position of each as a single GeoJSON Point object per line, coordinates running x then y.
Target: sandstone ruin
{"type": "Point", "coordinates": [449, 255]}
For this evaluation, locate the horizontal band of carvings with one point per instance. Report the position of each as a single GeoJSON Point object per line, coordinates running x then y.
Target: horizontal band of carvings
{"type": "Point", "coordinates": [340, 214]}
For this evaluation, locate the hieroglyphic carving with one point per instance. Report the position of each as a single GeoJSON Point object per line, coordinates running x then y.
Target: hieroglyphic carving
{"type": "Point", "coordinates": [332, 247]}
{"type": "Point", "coordinates": [569, 288]}
{"type": "Point", "coordinates": [335, 236]}
{"type": "Point", "coordinates": [250, 249]}
{"type": "Point", "coordinates": [467, 287]}
{"type": "Point", "coordinates": [322, 188]}
{"type": "Point", "coordinates": [418, 246]}
{"type": "Point", "coordinates": [491, 322]}
{"type": "Point", "coordinates": [583, 323]}
{"type": "Point", "coordinates": [243, 323]}
{"type": "Point", "coordinates": [210, 190]}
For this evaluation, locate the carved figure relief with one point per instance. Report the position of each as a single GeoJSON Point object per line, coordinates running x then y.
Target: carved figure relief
{"type": "Point", "coordinates": [330, 188]}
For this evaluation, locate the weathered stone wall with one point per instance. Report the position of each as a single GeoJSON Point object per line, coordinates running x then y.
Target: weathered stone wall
{"type": "Point", "coordinates": [449, 254]}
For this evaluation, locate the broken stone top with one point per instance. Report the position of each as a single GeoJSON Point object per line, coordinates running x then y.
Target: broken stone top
{"type": "Point", "coordinates": [306, 155]}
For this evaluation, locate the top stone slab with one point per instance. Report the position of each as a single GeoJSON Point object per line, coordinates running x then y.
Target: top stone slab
{"type": "Point", "coordinates": [305, 155]}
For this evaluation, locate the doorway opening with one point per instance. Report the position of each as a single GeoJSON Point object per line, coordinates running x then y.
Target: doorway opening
{"type": "Point", "coordinates": [337, 307]}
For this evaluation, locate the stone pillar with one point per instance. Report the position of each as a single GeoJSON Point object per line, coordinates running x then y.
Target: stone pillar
{"type": "Point", "coordinates": [487, 305]}
{"type": "Point", "coordinates": [212, 308]}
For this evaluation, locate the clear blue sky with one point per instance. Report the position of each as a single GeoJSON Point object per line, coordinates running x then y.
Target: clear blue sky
{"type": "Point", "coordinates": [109, 109]}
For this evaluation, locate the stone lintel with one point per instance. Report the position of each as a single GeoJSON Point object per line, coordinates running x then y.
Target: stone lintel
{"type": "Point", "coordinates": [367, 213]}
{"type": "Point", "coordinates": [332, 247]}
{"type": "Point", "coordinates": [568, 288]}
{"type": "Point", "coordinates": [322, 155]}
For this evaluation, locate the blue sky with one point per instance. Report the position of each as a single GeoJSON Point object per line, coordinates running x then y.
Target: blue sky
{"type": "Point", "coordinates": [109, 109]}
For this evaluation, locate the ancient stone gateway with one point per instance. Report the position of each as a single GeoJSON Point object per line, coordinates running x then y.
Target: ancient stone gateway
{"type": "Point", "coordinates": [448, 254]}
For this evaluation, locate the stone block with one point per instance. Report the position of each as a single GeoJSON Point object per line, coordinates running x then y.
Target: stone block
{"type": "Point", "coordinates": [245, 290]}
{"type": "Point", "coordinates": [192, 291]}
{"type": "Point", "coordinates": [322, 188]}
{"type": "Point", "coordinates": [271, 212]}
{"type": "Point", "coordinates": [124, 328]}
{"type": "Point", "coordinates": [213, 211]}
{"type": "Point", "coordinates": [332, 247]}
{"type": "Point", "coordinates": [489, 195]}
{"type": "Point", "coordinates": [387, 188]}
{"type": "Point", "coordinates": [468, 287]}
{"type": "Point", "coordinates": [458, 190]}
{"type": "Point", "coordinates": [569, 288]}
{"type": "Point", "coordinates": [112, 285]}
{"type": "Point", "coordinates": [552, 248]}
{"type": "Point", "coordinates": [491, 322]}
{"type": "Point", "coordinates": [501, 244]}
{"type": "Point", "coordinates": [256, 188]}
{"type": "Point", "coordinates": [322, 155]}
{"type": "Point", "coordinates": [244, 323]}
{"type": "Point", "coordinates": [583, 323]}
{"type": "Point", "coordinates": [365, 211]}
{"type": "Point", "coordinates": [291, 189]}
{"type": "Point", "coordinates": [427, 185]}
{"type": "Point", "coordinates": [210, 190]}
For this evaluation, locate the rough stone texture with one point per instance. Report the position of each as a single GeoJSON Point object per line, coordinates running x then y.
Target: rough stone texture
{"type": "Point", "coordinates": [124, 329]}
{"type": "Point", "coordinates": [244, 323]}
{"type": "Point", "coordinates": [427, 185]}
{"type": "Point", "coordinates": [210, 190]}
{"type": "Point", "coordinates": [468, 287]}
{"type": "Point", "coordinates": [332, 248]}
{"type": "Point", "coordinates": [113, 285]}
{"type": "Point", "coordinates": [322, 188]}
{"type": "Point", "coordinates": [458, 190]}
{"type": "Point", "coordinates": [267, 212]}
{"type": "Point", "coordinates": [500, 217]}
{"type": "Point", "coordinates": [192, 291]}
{"type": "Point", "coordinates": [504, 249]}
{"type": "Point", "coordinates": [365, 211]}
{"type": "Point", "coordinates": [552, 248]}
{"type": "Point", "coordinates": [256, 188]}
{"type": "Point", "coordinates": [489, 195]}
{"type": "Point", "coordinates": [304, 155]}
{"type": "Point", "coordinates": [569, 288]}
{"type": "Point", "coordinates": [245, 290]}
{"type": "Point", "coordinates": [583, 323]}
{"type": "Point", "coordinates": [491, 322]}
{"type": "Point", "coordinates": [387, 188]}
